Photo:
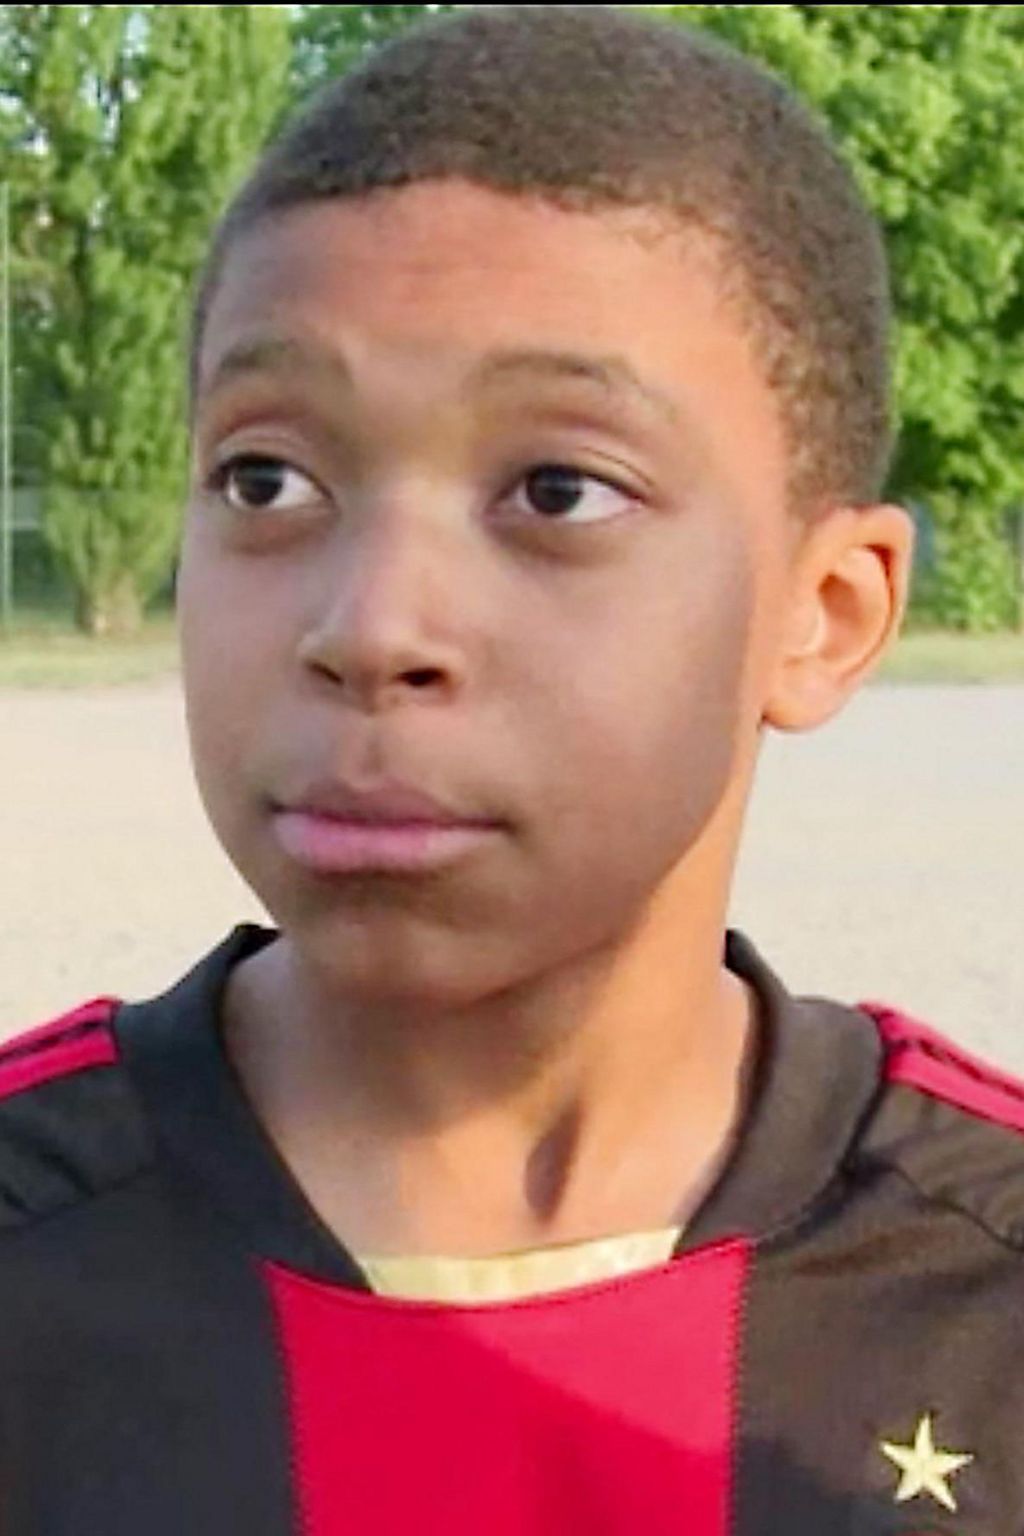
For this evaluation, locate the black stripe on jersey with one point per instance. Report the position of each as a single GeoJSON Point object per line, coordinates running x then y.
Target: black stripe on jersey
{"type": "Point", "coordinates": [65, 1139]}
{"type": "Point", "coordinates": [141, 1387]}
{"type": "Point", "coordinates": [141, 1392]}
{"type": "Point", "coordinates": [898, 1295]}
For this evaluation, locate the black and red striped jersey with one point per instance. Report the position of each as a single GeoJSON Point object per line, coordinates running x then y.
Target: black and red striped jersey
{"type": "Point", "coordinates": [834, 1349]}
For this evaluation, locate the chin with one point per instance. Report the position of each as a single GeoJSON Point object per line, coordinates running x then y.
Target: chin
{"type": "Point", "coordinates": [396, 960]}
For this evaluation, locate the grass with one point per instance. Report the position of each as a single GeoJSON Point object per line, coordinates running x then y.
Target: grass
{"type": "Point", "coordinates": [942, 656]}
{"type": "Point", "coordinates": [42, 651]}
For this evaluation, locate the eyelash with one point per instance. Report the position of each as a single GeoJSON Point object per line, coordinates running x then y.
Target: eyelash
{"type": "Point", "coordinates": [219, 482]}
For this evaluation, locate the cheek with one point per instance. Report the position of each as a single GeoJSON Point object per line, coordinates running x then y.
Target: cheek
{"type": "Point", "coordinates": [226, 633]}
{"type": "Point", "coordinates": [645, 741]}
{"type": "Point", "coordinates": [642, 794]}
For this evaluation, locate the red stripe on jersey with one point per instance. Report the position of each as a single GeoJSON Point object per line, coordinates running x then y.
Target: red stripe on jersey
{"type": "Point", "coordinates": [920, 1057]}
{"type": "Point", "coordinates": [58, 1060]}
{"type": "Point", "coordinates": [96, 1011]}
{"type": "Point", "coordinates": [610, 1407]}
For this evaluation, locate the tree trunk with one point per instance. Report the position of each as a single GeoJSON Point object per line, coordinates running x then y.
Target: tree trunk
{"type": "Point", "coordinates": [115, 612]}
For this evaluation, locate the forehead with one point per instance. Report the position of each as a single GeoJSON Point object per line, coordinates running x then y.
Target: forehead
{"type": "Point", "coordinates": [438, 277]}
{"type": "Point", "coordinates": [412, 240]}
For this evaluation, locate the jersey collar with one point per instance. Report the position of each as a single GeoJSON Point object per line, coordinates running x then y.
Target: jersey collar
{"type": "Point", "coordinates": [815, 1081]}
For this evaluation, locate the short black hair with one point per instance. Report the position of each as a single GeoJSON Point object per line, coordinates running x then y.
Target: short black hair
{"type": "Point", "coordinates": [593, 106]}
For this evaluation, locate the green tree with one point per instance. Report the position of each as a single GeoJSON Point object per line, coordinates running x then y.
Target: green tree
{"type": "Point", "coordinates": [923, 100]}
{"type": "Point", "coordinates": [123, 129]}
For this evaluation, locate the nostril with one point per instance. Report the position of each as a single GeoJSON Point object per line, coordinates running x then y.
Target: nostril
{"type": "Point", "coordinates": [421, 677]}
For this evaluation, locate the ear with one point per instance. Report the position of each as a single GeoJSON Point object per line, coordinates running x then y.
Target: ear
{"type": "Point", "coordinates": [847, 596]}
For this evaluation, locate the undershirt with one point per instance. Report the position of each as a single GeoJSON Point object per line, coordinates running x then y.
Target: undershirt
{"type": "Point", "coordinates": [509, 1276]}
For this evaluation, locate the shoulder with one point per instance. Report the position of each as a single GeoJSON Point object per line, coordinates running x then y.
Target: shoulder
{"type": "Point", "coordinates": [951, 1123]}
{"type": "Point", "coordinates": [70, 1126]}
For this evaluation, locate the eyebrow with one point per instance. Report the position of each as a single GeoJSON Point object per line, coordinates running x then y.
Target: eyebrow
{"type": "Point", "coordinates": [609, 371]}
{"type": "Point", "coordinates": [614, 374]}
{"type": "Point", "coordinates": [276, 354]}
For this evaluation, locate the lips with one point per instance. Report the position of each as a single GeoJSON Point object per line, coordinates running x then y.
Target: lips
{"type": "Point", "coordinates": [332, 829]}
{"type": "Point", "coordinates": [388, 803]}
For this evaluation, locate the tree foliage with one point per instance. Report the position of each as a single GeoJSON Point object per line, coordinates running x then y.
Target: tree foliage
{"type": "Point", "coordinates": [124, 128]}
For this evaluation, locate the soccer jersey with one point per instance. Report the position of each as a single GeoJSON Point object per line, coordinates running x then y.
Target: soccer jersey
{"type": "Point", "coordinates": [833, 1348]}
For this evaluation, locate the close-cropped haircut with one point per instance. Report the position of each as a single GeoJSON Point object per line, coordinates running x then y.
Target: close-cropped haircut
{"type": "Point", "coordinates": [595, 107]}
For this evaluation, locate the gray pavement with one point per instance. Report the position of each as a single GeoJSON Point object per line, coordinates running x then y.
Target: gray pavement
{"type": "Point", "coordinates": [883, 856]}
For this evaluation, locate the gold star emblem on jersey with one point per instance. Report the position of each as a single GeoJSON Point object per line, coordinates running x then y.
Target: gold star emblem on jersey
{"type": "Point", "coordinates": [925, 1468]}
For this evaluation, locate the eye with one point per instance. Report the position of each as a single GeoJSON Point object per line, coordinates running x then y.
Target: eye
{"type": "Point", "coordinates": [254, 481]}
{"type": "Point", "coordinates": [556, 490]}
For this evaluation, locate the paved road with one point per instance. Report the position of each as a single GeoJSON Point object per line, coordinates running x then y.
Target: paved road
{"type": "Point", "coordinates": [884, 856]}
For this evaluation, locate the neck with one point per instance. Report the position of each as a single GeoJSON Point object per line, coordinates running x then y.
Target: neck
{"type": "Point", "coordinates": [598, 1099]}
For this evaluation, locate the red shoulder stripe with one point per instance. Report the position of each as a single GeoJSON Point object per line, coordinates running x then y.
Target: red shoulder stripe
{"type": "Point", "coordinates": [920, 1057]}
{"type": "Point", "coordinates": [92, 1050]}
{"type": "Point", "coordinates": [60, 1046]}
{"type": "Point", "coordinates": [96, 1011]}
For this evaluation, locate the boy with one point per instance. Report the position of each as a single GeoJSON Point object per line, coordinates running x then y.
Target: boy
{"type": "Point", "coordinates": [539, 423]}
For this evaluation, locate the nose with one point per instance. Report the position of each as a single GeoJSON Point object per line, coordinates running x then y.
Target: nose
{"type": "Point", "coordinates": [391, 616]}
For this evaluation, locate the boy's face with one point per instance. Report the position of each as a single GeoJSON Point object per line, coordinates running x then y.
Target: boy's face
{"type": "Point", "coordinates": [489, 499]}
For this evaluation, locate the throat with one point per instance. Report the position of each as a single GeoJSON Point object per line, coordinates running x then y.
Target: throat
{"type": "Point", "coordinates": [586, 1166]}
